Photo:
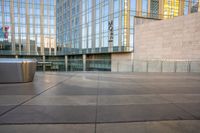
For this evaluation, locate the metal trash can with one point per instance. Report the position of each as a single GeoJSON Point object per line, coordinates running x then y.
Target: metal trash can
{"type": "Point", "coordinates": [17, 70]}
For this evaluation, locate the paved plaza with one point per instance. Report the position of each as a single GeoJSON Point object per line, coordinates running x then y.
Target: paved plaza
{"type": "Point", "coordinates": [102, 102]}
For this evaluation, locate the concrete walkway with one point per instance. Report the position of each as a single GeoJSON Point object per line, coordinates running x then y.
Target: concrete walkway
{"type": "Point", "coordinates": [97, 102]}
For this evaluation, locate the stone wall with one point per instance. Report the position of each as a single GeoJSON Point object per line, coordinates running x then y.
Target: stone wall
{"type": "Point", "coordinates": [121, 62]}
{"type": "Point", "coordinates": [174, 39]}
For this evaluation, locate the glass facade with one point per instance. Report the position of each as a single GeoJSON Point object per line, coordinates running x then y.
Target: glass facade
{"type": "Point", "coordinates": [94, 26]}
{"type": "Point", "coordinates": [53, 27]}
{"type": "Point", "coordinates": [106, 26]}
{"type": "Point", "coordinates": [27, 27]}
{"type": "Point", "coordinates": [173, 8]}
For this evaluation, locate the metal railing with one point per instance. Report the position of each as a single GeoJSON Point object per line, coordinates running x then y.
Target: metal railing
{"type": "Point", "coordinates": [125, 65]}
{"type": "Point", "coordinates": [156, 66]}
{"type": "Point", "coordinates": [115, 65]}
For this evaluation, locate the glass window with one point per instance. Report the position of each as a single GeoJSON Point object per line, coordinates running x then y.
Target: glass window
{"type": "Point", "coordinates": [97, 2]}
{"type": "Point", "coordinates": [133, 5]}
{"type": "Point", "coordinates": [116, 23]}
{"type": "Point", "coordinates": [154, 8]}
{"type": "Point", "coordinates": [97, 40]}
{"type": "Point", "coordinates": [116, 5]}
{"type": "Point", "coordinates": [186, 8]}
{"type": "Point", "coordinates": [7, 7]}
{"type": "Point", "coordinates": [97, 13]}
{"type": "Point", "coordinates": [105, 10]}
{"type": "Point", "coordinates": [105, 40]}
{"type": "Point", "coordinates": [144, 7]}
{"type": "Point", "coordinates": [115, 40]}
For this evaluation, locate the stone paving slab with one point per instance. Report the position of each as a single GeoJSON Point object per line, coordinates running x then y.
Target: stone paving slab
{"type": "Point", "coordinates": [48, 128]}
{"type": "Point", "coordinates": [71, 90]}
{"type": "Point", "coordinates": [181, 98]}
{"type": "Point", "coordinates": [7, 100]}
{"type": "Point", "coordinates": [5, 108]}
{"type": "Point", "coordinates": [135, 113]}
{"type": "Point", "coordinates": [60, 100]}
{"type": "Point", "coordinates": [102, 102]}
{"type": "Point", "coordinates": [128, 91]}
{"type": "Point", "coordinates": [148, 99]}
{"type": "Point", "coordinates": [41, 83]}
{"type": "Point", "coordinates": [192, 108]}
{"type": "Point", "coordinates": [50, 114]}
{"type": "Point", "coordinates": [185, 126]}
{"type": "Point", "coordinates": [131, 99]}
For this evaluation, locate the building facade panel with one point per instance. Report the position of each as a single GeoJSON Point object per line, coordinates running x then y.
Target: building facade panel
{"type": "Point", "coordinates": [106, 26]}
{"type": "Point", "coordinates": [23, 26]}
{"type": "Point", "coordinates": [176, 39]}
{"type": "Point", "coordinates": [67, 27]}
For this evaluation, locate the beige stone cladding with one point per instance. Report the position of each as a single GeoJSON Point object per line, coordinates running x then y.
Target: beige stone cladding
{"type": "Point", "coordinates": [174, 39]}
{"type": "Point", "coordinates": [122, 62]}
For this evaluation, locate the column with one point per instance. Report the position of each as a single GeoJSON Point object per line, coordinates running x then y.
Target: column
{"type": "Point", "coordinates": [120, 26]}
{"type": "Point", "coordinates": [161, 9]}
{"type": "Point", "coordinates": [100, 26]}
{"type": "Point", "coordinates": [54, 37]}
{"type": "Point", "coordinates": [66, 63]}
{"type": "Point", "coordinates": [42, 27]}
{"type": "Point", "coordinates": [70, 46]}
{"type": "Point", "coordinates": [33, 26]}
{"type": "Point", "coordinates": [2, 13]}
{"type": "Point", "coordinates": [111, 19]}
{"type": "Point", "coordinates": [12, 26]}
{"type": "Point", "coordinates": [139, 8]}
{"type": "Point", "coordinates": [80, 26]}
{"type": "Point", "coordinates": [127, 24]}
{"type": "Point", "coordinates": [84, 62]}
{"type": "Point", "coordinates": [189, 6]}
{"type": "Point", "coordinates": [181, 8]}
{"type": "Point", "coordinates": [199, 6]}
{"type": "Point", "coordinates": [19, 28]}
{"type": "Point", "coordinates": [93, 25]}
{"type": "Point", "coordinates": [149, 8]}
{"type": "Point", "coordinates": [27, 29]}
{"type": "Point", "coordinates": [49, 29]}
{"type": "Point", "coordinates": [86, 23]}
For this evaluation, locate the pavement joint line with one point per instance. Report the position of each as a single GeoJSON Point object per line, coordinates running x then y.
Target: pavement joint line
{"type": "Point", "coordinates": [97, 100]}
{"type": "Point", "coordinates": [195, 118]}
{"type": "Point", "coordinates": [175, 104]}
{"type": "Point", "coordinates": [16, 106]}
{"type": "Point", "coordinates": [111, 122]}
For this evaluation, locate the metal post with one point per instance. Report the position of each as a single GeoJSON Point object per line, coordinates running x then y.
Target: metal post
{"type": "Point", "coordinates": [189, 66]}
{"type": "Point", "coordinates": [175, 66]}
{"type": "Point", "coordinates": [66, 63]}
{"type": "Point", "coordinates": [84, 62]}
{"type": "Point", "coordinates": [117, 66]}
{"type": "Point", "coordinates": [43, 60]}
{"type": "Point", "coordinates": [132, 62]}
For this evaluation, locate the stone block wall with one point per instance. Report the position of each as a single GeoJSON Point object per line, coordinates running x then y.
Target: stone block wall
{"type": "Point", "coordinates": [121, 62]}
{"type": "Point", "coordinates": [174, 39]}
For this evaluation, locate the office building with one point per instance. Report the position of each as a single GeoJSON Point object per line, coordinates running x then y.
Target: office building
{"type": "Point", "coordinates": [104, 29]}
{"type": "Point", "coordinates": [92, 32]}
{"type": "Point", "coordinates": [27, 27]}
